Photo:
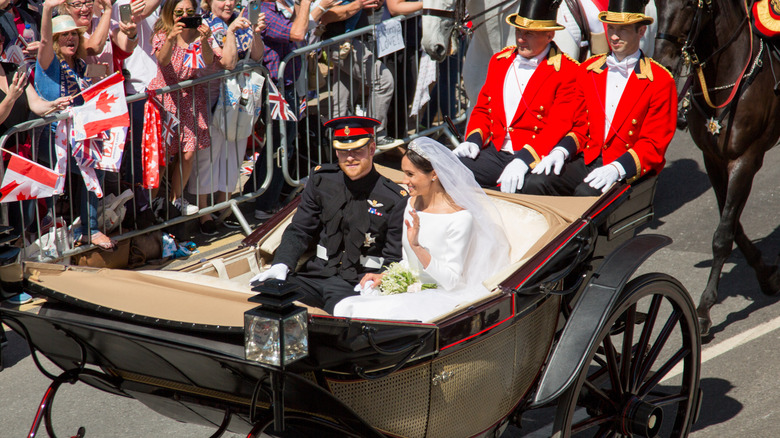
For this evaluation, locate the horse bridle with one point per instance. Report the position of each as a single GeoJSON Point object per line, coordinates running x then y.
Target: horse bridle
{"type": "Point", "coordinates": [461, 17]}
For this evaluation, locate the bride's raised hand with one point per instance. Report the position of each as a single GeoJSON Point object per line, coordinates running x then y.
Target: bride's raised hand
{"type": "Point", "coordinates": [413, 229]}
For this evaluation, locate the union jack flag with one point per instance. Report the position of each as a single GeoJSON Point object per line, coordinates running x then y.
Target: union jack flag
{"type": "Point", "coordinates": [280, 109]}
{"type": "Point", "coordinates": [193, 56]}
{"type": "Point", "coordinates": [169, 128]}
{"type": "Point", "coordinates": [302, 107]}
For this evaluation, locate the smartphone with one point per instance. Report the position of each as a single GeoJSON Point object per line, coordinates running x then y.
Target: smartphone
{"type": "Point", "coordinates": [191, 22]}
{"type": "Point", "coordinates": [254, 11]}
{"type": "Point", "coordinates": [96, 70]}
{"type": "Point", "coordinates": [125, 12]}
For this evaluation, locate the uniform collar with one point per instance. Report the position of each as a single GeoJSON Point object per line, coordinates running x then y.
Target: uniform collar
{"type": "Point", "coordinates": [625, 66]}
{"type": "Point", "coordinates": [532, 62]}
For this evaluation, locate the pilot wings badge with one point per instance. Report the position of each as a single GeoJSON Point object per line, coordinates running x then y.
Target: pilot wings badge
{"type": "Point", "coordinates": [374, 203]}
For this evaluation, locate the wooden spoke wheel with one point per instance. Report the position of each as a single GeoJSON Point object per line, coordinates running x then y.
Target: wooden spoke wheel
{"type": "Point", "coordinates": [641, 378]}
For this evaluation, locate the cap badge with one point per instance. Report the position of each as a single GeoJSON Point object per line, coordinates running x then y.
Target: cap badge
{"type": "Point", "coordinates": [346, 130]}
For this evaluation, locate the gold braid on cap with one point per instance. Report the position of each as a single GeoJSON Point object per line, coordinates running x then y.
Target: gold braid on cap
{"type": "Point", "coordinates": [418, 150]}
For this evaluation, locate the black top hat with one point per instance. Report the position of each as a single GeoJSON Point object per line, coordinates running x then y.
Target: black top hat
{"type": "Point", "coordinates": [625, 12]}
{"type": "Point", "coordinates": [536, 15]}
{"type": "Point", "coordinates": [351, 132]}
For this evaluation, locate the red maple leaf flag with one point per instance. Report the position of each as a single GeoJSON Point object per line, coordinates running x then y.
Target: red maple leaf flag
{"type": "Point", "coordinates": [25, 180]}
{"type": "Point", "coordinates": [104, 108]}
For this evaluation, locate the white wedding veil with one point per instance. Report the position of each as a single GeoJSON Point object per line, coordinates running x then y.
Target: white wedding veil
{"type": "Point", "coordinates": [489, 246]}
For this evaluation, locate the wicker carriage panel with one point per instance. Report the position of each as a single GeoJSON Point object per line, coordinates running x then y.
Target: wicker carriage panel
{"type": "Point", "coordinates": [397, 404]}
{"type": "Point", "coordinates": [478, 385]}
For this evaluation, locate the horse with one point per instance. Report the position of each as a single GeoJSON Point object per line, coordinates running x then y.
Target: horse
{"type": "Point", "coordinates": [443, 20]}
{"type": "Point", "coordinates": [732, 117]}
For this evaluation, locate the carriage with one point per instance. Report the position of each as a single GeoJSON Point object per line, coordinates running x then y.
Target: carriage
{"type": "Point", "coordinates": [565, 327]}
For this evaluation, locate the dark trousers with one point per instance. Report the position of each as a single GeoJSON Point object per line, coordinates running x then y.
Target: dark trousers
{"type": "Point", "coordinates": [488, 165]}
{"type": "Point", "coordinates": [568, 183]}
{"type": "Point", "coordinates": [322, 292]}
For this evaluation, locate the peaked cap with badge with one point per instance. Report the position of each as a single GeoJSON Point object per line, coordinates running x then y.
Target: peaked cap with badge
{"type": "Point", "coordinates": [357, 225]}
{"type": "Point", "coordinates": [352, 132]}
{"type": "Point", "coordinates": [536, 15]}
{"type": "Point", "coordinates": [625, 12]}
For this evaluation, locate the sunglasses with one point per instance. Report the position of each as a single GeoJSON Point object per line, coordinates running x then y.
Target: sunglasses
{"type": "Point", "coordinates": [180, 12]}
{"type": "Point", "coordinates": [79, 5]}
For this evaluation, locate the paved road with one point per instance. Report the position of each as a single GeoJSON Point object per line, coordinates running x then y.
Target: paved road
{"type": "Point", "coordinates": [739, 375]}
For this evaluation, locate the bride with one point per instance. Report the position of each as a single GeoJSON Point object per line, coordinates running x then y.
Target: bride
{"type": "Point", "coordinates": [453, 237]}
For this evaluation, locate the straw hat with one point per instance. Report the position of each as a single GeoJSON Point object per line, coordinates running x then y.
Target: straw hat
{"type": "Point", "coordinates": [64, 23]}
{"type": "Point", "coordinates": [625, 12]}
{"type": "Point", "coordinates": [536, 15]}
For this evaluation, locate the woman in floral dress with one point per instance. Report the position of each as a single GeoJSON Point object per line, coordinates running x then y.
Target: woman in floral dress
{"type": "Point", "coordinates": [183, 54]}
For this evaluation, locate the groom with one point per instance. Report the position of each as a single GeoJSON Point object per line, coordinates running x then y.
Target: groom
{"type": "Point", "coordinates": [356, 214]}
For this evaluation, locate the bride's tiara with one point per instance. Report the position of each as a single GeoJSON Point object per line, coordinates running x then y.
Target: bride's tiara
{"type": "Point", "coordinates": [418, 150]}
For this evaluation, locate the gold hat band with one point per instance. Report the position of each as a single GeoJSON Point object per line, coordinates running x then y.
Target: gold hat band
{"type": "Point", "coordinates": [359, 143]}
{"type": "Point", "coordinates": [527, 23]}
{"type": "Point", "coordinates": [623, 17]}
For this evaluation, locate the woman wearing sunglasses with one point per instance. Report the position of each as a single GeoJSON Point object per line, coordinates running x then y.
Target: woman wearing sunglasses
{"type": "Point", "coordinates": [183, 53]}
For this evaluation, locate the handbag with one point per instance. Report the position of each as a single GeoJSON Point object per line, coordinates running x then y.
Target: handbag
{"type": "Point", "coordinates": [239, 104]}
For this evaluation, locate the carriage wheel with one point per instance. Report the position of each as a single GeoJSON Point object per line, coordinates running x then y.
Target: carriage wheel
{"type": "Point", "coordinates": [641, 378]}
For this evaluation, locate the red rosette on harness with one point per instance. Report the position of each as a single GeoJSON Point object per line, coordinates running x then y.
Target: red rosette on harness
{"type": "Point", "coordinates": [766, 18]}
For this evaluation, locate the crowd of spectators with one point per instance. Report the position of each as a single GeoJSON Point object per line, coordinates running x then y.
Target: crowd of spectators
{"type": "Point", "coordinates": [69, 45]}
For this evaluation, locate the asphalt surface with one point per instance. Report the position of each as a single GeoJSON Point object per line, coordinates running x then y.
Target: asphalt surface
{"type": "Point", "coordinates": [739, 373]}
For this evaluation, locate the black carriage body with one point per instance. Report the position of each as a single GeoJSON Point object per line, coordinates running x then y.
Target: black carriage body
{"type": "Point", "coordinates": [362, 377]}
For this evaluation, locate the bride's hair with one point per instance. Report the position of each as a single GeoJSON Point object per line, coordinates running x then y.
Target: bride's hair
{"type": "Point", "coordinates": [419, 161]}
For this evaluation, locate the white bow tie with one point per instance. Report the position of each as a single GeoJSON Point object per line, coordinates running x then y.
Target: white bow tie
{"type": "Point", "coordinates": [526, 62]}
{"type": "Point", "coordinates": [623, 67]}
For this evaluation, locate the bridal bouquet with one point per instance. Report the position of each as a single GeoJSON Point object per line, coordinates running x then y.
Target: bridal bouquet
{"type": "Point", "coordinates": [399, 278]}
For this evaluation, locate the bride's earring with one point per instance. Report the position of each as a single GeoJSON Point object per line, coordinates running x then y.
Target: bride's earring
{"type": "Point", "coordinates": [433, 179]}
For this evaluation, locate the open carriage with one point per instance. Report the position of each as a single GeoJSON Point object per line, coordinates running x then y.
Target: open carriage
{"type": "Point", "coordinates": [562, 327]}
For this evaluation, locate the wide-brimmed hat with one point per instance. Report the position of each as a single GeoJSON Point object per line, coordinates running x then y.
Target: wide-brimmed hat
{"type": "Point", "coordinates": [352, 132]}
{"type": "Point", "coordinates": [536, 15]}
{"type": "Point", "coordinates": [625, 12]}
{"type": "Point", "coordinates": [64, 23]}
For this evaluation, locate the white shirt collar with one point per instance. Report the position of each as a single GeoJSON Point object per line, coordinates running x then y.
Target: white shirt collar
{"type": "Point", "coordinates": [624, 67]}
{"type": "Point", "coordinates": [532, 62]}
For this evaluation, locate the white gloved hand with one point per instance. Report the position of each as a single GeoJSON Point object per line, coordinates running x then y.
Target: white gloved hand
{"type": "Point", "coordinates": [513, 176]}
{"type": "Point", "coordinates": [278, 272]}
{"type": "Point", "coordinates": [467, 149]}
{"type": "Point", "coordinates": [553, 161]}
{"type": "Point", "coordinates": [603, 177]}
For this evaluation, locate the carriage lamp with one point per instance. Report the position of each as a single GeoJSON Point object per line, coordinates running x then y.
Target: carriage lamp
{"type": "Point", "coordinates": [276, 332]}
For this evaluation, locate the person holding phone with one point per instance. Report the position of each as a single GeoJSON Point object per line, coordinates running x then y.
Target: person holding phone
{"type": "Point", "coordinates": [236, 37]}
{"type": "Point", "coordinates": [173, 43]}
{"type": "Point", "coordinates": [101, 34]}
{"type": "Point", "coordinates": [60, 71]}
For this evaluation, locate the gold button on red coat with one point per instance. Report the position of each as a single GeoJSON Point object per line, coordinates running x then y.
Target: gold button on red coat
{"type": "Point", "coordinates": [539, 116]}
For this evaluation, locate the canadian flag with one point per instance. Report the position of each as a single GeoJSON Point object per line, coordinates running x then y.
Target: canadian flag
{"type": "Point", "coordinates": [104, 108]}
{"type": "Point", "coordinates": [25, 180]}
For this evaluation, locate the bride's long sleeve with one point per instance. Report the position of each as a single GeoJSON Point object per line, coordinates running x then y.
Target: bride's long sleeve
{"type": "Point", "coordinates": [447, 266]}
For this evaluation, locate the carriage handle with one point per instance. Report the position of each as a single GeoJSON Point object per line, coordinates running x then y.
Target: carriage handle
{"type": "Point", "coordinates": [413, 349]}
{"type": "Point", "coordinates": [545, 286]}
{"type": "Point", "coordinates": [369, 332]}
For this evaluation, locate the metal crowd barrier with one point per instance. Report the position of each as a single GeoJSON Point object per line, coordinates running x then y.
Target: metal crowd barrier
{"type": "Point", "coordinates": [321, 93]}
{"type": "Point", "coordinates": [308, 147]}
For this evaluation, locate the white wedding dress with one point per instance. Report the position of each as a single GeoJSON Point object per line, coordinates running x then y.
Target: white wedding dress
{"type": "Point", "coordinates": [447, 238]}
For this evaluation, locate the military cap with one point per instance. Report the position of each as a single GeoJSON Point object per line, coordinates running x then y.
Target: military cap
{"type": "Point", "coordinates": [536, 15]}
{"type": "Point", "coordinates": [351, 132]}
{"type": "Point", "coordinates": [625, 12]}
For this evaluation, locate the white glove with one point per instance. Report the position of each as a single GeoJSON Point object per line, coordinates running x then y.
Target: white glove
{"type": "Point", "coordinates": [553, 161]}
{"type": "Point", "coordinates": [278, 271]}
{"type": "Point", "coordinates": [513, 176]}
{"type": "Point", "coordinates": [603, 177]}
{"type": "Point", "coordinates": [467, 149]}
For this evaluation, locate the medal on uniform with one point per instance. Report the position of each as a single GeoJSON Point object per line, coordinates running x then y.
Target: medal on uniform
{"type": "Point", "coordinates": [369, 240]}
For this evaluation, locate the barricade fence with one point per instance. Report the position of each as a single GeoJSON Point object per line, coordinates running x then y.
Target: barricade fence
{"type": "Point", "coordinates": [235, 141]}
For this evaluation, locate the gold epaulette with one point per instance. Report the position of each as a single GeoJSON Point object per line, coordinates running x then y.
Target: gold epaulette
{"type": "Point", "coordinates": [570, 58]}
{"type": "Point", "coordinates": [662, 67]}
{"type": "Point", "coordinates": [595, 66]}
{"type": "Point", "coordinates": [506, 52]}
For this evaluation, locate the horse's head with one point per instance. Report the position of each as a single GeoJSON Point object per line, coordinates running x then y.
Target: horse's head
{"type": "Point", "coordinates": [438, 23]}
{"type": "Point", "coordinates": [679, 24]}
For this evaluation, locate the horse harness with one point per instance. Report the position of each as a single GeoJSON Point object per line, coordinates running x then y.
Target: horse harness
{"type": "Point", "coordinates": [691, 60]}
{"type": "Point", "coordinates": [462, 17]}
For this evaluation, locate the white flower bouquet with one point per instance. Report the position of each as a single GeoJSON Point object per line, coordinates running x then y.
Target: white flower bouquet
{"type": "Point", "coordinates": [399, 278]}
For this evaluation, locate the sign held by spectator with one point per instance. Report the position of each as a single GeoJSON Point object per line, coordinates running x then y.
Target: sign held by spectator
{"type": "Point", "coordinates": [389, 37]}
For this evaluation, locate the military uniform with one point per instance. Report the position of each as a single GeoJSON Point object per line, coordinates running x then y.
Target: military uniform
{"type": "Point", "coordinates": [358, 227]}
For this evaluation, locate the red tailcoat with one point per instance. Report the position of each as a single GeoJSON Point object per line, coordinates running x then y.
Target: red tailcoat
{"type": "Point", "coordinates": [644, 121]}
{"type": "Point", "coordinates": [548, 111]}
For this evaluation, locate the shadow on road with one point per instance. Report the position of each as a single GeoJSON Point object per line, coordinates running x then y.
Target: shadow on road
{"type": "Point", "coordinates": [680, 183]}
{"type": "Point", "coordinates": [716, 406]}
{"type": "Point", "coordinates": [15, 350]}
